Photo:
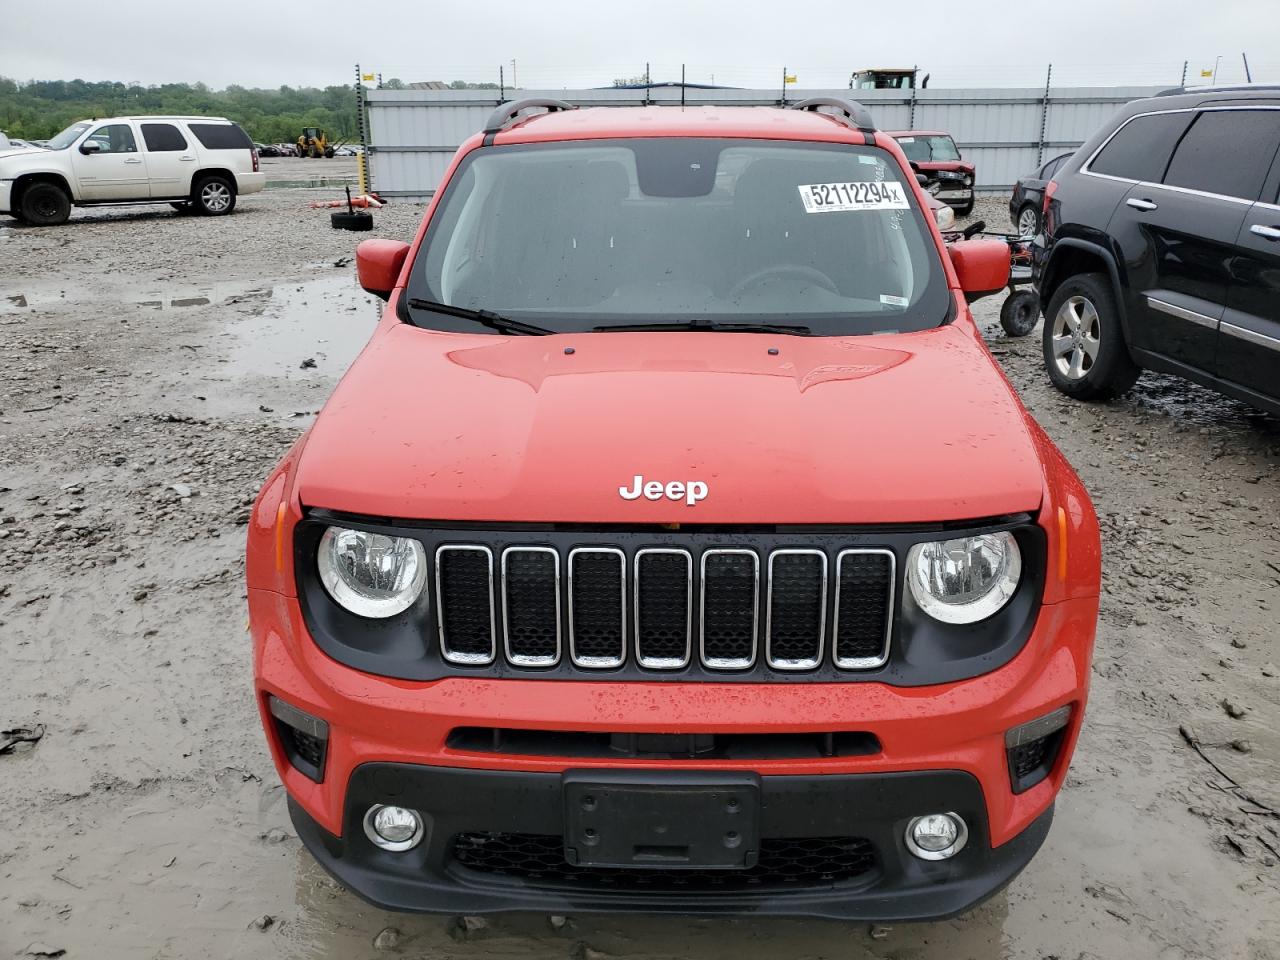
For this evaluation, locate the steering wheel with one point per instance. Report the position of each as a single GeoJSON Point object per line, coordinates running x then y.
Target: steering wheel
{"type": "Point", "coordinates": [797, 270]}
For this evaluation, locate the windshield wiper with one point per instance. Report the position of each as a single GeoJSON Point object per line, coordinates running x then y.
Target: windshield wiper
{"type": "Point", "coordinates": [794, 330]}
{"type": "Point", "coordinates": [486, 317]}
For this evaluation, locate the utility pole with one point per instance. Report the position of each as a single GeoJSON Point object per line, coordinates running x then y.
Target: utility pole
{"type": "Point", "coordinates": [502, 85]}
{"type": "Point", "coordinates": [783, 98]}
{"type": "Point", "coordinates": [1248, 77]}
{"type": "Point", "coordinates": [363, 163]}
{"type": "Point", "coordinates": [1216, 60]}
{"type": "Point", "coordinates": [1184, 75]}
{"type": "Point", "coordinates": [682, 84]}
{"type": "Point", "coordinates": [1044, 113]}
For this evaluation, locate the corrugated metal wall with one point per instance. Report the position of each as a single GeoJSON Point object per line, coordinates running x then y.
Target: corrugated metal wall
{"type": "Point", "coordinates": [1006, 133]}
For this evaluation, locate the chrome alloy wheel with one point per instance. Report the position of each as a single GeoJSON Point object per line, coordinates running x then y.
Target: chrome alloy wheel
{"type": "Point", "coordinates": [1027, 222]}
{"type": "Point", "coordinates": [1076, 338]}
{"type": "Point", "coordinates": [215, 196]}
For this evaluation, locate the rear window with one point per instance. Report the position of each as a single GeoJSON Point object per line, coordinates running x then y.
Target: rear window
{"type": "Point", "coordinates": [163, 137]}
{"type": "Point", "coordinates": [1141, 149]}
{"type": "Point", "coordinates": [221, 136]}
{"type": "Point", "coordinates": [570, 236]}
{"type": "Point", "coordinates": [1227, 152]}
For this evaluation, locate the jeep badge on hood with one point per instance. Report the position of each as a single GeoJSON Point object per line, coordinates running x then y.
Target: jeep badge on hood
{"type": "Point", "coordinates": [690, 492]}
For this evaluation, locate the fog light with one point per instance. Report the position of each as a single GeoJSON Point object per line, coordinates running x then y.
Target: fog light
{"type": "Point", "coordinates": [393, 828]}
{"type": "Point", "coordinates": [938, 836]}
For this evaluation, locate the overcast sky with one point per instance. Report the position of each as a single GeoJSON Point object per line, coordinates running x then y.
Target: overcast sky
{"type": "Point", "coordinates": [557, 43]}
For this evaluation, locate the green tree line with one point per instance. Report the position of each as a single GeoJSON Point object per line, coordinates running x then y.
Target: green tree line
{"type": "Point", "coordinates": [38, 109]}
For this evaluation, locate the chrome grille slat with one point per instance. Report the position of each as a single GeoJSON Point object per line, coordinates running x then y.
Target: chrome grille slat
{"type": "Point", "coordinates": [793, 617]}
{"type": "Point", "coordinates": [660, 591]}
{"type": "Point", "coordinates": [863, 609]}
{"type": "Point", "coordinates": [719, 635]}
{"type": "Point", "coordinates": [591, 611]}
{"type": "Point", "coordinates": [462, 619]}
{"type": "Point", "coordinates": [530, 607]}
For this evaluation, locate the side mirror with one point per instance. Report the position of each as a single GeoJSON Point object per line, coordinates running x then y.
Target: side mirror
{"type": "Point", "coordinates": [91, 146]}
{"type": "Point", "coordinates": [982, 266]}
{"type": "Point", "coordinates": [378, 265]}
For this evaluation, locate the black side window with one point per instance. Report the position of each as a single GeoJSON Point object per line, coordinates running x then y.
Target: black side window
{"type": "Point", "coordinates": [221, 136]}
{"type": "Point", "coordinates": [1227, 152]}
{"type": "Point", "coordinates": [1055, 165]}
{"type": "Point", "coordinates": [1141, 150]}
{"type": "Point", "coordinates": [163, 137]}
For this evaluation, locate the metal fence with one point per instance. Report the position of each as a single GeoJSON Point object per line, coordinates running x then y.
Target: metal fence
{"type": "Point", "coordinates": [414, 133]}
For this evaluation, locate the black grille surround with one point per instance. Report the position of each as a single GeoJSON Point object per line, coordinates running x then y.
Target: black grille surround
{"type": "Point", "coordinates": [784, 864]}
{"type": "Point", "coordinates": [705, 607]}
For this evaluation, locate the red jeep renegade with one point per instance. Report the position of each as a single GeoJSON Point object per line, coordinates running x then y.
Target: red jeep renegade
{"type": "Point", "coordinates": [675, 544]}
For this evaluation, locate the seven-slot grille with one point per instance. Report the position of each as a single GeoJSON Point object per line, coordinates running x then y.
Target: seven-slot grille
{"type": "Point", "coordinates": [746, 607]}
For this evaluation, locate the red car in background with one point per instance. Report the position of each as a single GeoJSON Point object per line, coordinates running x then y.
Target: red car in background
{"type": "Point", "coordinates": [936, 155]}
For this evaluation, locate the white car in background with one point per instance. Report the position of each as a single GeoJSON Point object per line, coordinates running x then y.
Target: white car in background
{"type": "Point", "coordinates": [200, 164]}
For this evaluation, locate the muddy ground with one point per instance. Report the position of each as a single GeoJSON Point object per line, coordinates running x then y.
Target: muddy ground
{"type": "Point", "coordinates": [153, 371]}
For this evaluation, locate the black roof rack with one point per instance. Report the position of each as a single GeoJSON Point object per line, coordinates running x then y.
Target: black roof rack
{"type": "Point", "coordinates": [858, 115]}
{"type": "Point", "coordinates": [506, 112]}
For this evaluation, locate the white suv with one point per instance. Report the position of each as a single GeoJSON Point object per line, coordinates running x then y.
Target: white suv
{"type": "Point", "coordinates": [194, 163]}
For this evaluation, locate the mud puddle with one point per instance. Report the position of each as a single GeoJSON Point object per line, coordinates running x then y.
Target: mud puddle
{"type": "Point", "coordinates": [313, 182]}
{"type": "Point", "coordinates": [148, 297]}
{"type": "Point", "coordinates": [326, 321]}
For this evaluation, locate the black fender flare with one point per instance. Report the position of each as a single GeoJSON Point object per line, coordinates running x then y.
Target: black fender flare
{"type": "Point", "coordinates": [1102, 253]}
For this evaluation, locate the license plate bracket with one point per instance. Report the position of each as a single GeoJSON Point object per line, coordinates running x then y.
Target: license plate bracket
{"type": "Point", "coordinates": [703, 821]}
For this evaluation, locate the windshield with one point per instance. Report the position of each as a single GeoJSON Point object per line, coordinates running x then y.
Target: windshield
{"type": "Point", "coordinates": [68, 136]}
{"type": "Point", "coordinates": [929, 149]}
{"type": "Point", "coordinates": [572, 236]}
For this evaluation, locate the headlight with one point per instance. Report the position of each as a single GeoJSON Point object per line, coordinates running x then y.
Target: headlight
{"type": "Point", "coordinates": [964, 580]}
{"type": "Point", "coordinates": [370, 574]}
{"type": "Point", "coordinates": [968, 181]}
{"type": "Point", "coordinates": [945, 216]}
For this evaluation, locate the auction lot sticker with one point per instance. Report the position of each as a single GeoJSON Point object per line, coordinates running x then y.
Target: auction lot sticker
{"type": "Point", "coordinates": [832, 197]}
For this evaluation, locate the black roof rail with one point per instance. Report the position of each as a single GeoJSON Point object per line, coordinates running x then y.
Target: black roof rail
{"type": "Point", "coordinates": [506, 112]}
{"type": "Point", "coordinates": [858, 114]}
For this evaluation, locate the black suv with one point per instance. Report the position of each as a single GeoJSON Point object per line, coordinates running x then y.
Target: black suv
{"type": "Point", "coordinates": [1161, 248]}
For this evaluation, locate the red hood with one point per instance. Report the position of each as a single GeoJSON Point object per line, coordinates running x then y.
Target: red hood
{"type": "Point", "coordinates": [911, 427]}
{"type": "Point", "coordinates": [958, 166]}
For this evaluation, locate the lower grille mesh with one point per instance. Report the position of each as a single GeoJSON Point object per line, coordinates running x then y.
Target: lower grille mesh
{"type": "Point", "coordinates": [538, 859]}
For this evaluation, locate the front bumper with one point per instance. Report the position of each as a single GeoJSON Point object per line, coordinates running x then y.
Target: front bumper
{"type": "Point", "coordinates": [885, 883]}
{"type": "Point", "coordinates": [6, 196]}
{"type": "Point", "coordinates": [946, 742]}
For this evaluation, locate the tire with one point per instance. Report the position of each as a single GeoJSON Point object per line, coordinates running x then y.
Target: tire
{"type": "Point", "coordinates": [314, 153]}
{"type": "Point", "coordinates": [965, 210]}
{"type": "Point", "coordinates": [1027, 222]}
{"type": "Point", "coordinates": [1083, 344]}
{"type": "Point", "coordinates": [45, 204]}
{"type": "Point", "coordinates": [328, 153]}
{"type": "Point", "coordinates": [214, 196]}
{"type": "Point", "coordinates": [359, 220]}
{"type": "Point", "coordinates": [1019, 313]}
